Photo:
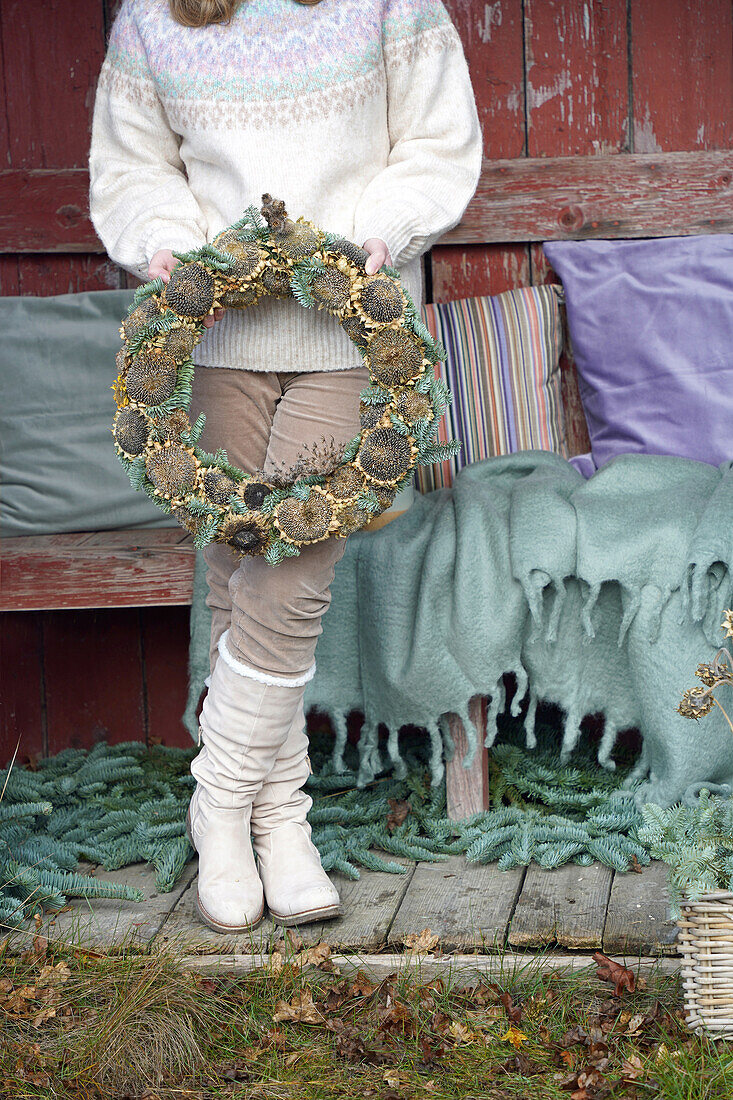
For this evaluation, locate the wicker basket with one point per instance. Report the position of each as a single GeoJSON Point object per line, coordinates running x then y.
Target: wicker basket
{"type": "Point", "coordinates": [705, 942]}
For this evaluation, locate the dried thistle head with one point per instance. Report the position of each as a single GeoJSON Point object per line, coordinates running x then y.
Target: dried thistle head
{"type": "Point", "coordinates": [696, 702]}
{"type": "Point", "coordinates": [317, 458]}
{"type": "Point", "coordinates": [707, 674]}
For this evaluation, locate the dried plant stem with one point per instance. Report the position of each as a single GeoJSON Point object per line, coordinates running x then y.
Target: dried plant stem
{"type": "Point", "coordinates": [725, 713]}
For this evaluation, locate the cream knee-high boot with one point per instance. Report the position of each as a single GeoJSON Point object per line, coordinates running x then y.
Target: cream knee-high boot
{"type": "Point", "coordinates": [245, 719]}
{"type": "Point", "coordinates": [297, 888]}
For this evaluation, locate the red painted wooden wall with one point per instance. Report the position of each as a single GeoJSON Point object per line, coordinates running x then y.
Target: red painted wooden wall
{"type": "Point", "coordinates": [552, 78]}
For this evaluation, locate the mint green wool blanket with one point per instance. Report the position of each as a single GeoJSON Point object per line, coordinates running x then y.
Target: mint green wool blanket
{"type": "Point", "coordinates": [599, 596]}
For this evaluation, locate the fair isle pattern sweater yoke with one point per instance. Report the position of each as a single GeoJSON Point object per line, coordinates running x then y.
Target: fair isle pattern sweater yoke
{"type": "Point", "coordinates": [287, 72]}
{"type": "Point", "coordinates": [359, 113]}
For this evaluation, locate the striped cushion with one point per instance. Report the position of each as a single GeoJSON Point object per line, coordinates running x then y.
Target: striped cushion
{"type": "Point", "coordinates": [503, 372]}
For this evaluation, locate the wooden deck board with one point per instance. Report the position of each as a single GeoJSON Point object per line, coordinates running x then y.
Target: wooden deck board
{"type": "Point", "coordinates": [103, 923]}
{"type": "Point", "coordinates": [468, 905]}
{"type": "Point", "coordinates": [564, 906]}
{"type": "Point", "coordinates": [473, 908]}
{"type": "Point", "coordinates": [459, 971]}
{"type": "Point", "coordinates": [369, 905]}
{"type": "Point", "coordinates": [637, 918]}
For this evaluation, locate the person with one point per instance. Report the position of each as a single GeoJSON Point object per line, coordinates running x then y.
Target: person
{"type": "Point", "coordinates": [360, 114]}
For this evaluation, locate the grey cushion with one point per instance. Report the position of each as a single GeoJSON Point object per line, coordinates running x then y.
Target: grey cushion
{"type": "Point", "coordinates": [58, 467]}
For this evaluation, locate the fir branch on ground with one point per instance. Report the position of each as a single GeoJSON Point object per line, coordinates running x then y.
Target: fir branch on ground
{"type": "Point", "coordinates": [120, 804]}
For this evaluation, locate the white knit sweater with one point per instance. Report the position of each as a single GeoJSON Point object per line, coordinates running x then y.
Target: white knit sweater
{"type": "Point", "coordinates": [358, 113]}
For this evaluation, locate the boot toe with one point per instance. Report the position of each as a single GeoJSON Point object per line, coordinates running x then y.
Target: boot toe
{"type": "Point", "coordinates": [310, 903]}
{"type": "Point", "coordinates": [227, 912]}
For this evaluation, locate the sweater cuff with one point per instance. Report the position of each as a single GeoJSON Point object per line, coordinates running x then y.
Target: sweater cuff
{"type": "Point", "coordinates": [392, 225]}
{"type": "Point", "coordinates": [171, 235]}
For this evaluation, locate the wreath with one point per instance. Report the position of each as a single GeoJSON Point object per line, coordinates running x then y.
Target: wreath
{"type": "Point", "coordinates": [267, 253]}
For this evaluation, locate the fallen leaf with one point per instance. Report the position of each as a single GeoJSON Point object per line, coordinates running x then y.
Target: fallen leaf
{"type": "Point", "coordinates": [519, 1063]}
{"type": "Point", "coordinates": [395, 1080]}
{"type": "Point", "coordinates": [635, 865]}
{"type": "Point", "coordinates": [461, 1033]}
{"type": "Point", "coordinates": [575, 1035]}
{"type": "Point", "coordinates": [276, 962]}
{"type": "Point", "coordinates": [319, 956]}
{"type": "Point", "coordinates": [611, 971]}
{"type": "Point", "coordinates": [635, 1022]}
{"type": "Point", "coordinates": [301, 1009]}
{"type": "Point", "coordinates": [424, 941]}
{"type": "Point", "coordinates": [397, 1017]}
{"type": "Point", "coordinates": [514, 1012]}
{"type": "Point", "coordinates": [361, 986]}
{"type": "Point", "coordinates": [399, 809]}
{"type": "Point", "coordinates": [514, 1036]}
{"type": "Point", "coordinates": [632, 1068]}
{"type": "Point", "coordinates": [43, 1015]}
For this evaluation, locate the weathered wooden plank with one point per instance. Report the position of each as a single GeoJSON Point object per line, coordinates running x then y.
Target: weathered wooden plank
{"type": "Point", "coordinates": [468, 905]}
{"type": "Point", "coordinates": [492, 41]}
{"type": "Point", "coordinates": [9, 278]}
{"type": "Point", "coordinates": [106, 569]}
{"type": "Point", "coordinates": [93, 677]}
{"type": "Point", "coordinates": [467, 789]}
{"type": "Point", "coordinates": [456, 971]}
{"type": "Point", "coordinates": [369, 905]}
{"type": "Point", "coordinates": [564, 906]}
{"type": "Point", "coordinates": [4, 135]}
{"type": "Point", "coordinates": [615, 196]}
{"type": "Point", "coordinates": [165, 640]}
{"type": "Point", "coordinates": [577, 80]}
{"type": "Point", "coordinates": [466, 271]}
{"type": "Point", "coordinates": [682, 74]}
{"type": "Point", "coordinates": [638, 918]}
{"type": "Point", "coordinates": [46, 210]}
{"type": "Point", "coordinates": [52, 56]}
{"type": "Point", "coordinates": [535, 199]}
{"type": "Point", "coordinates": [103, 923]}
{"type": "Point", "coordinates": [21, 697]}
{"type": "Point", "coordinates": [72, 273]}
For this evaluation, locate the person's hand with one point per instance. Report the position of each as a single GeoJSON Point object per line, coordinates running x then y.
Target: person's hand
{"type": "Point", "coordinates": [162, 264]}
{"type": "Point", "coordinates": [378, 254]}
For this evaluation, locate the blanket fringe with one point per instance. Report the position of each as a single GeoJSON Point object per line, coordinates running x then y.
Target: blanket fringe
{"type": "Point", "coordinates": [607, 743]}
{"type": "Point", "coordinates": [587, 609]}
{"type": "Point", "coordinates": [520, 674]}
{"type": "Point", "coordinates": [534, 590]}
{"type": "Point", "coordinates": [496, 705]}
{"type": "Point", "coordinates": [557, 606]}
{"type": "Point", "coordinates": [338, 721]}
{"type": "Point", "coordinates": [631, 599]}
{"type": "Point", "coordinates": [471, 734]}
{"type": "Point", "coordinates": [370, 758]}
{"type": "Point", "coordinates": [530, 736]}
{"type": "Point", "coordinates": [393, 748]}
{"type": "Point", "coordinates": [571, 734]}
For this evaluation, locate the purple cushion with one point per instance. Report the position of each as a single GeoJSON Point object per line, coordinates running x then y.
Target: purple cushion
{"type": "Point", "coordinates": [651, 324]}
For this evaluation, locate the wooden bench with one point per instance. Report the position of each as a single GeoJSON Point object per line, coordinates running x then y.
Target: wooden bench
{"type": "Point", "coordinates": [523, 200]}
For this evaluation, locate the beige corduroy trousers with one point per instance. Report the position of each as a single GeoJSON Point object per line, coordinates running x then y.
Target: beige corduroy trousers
{"type": "Point", "coordinates": [266, 420]}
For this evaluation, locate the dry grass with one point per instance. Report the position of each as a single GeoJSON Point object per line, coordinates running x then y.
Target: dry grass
{"type": "Point", "coordinates": [85, 1025]}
